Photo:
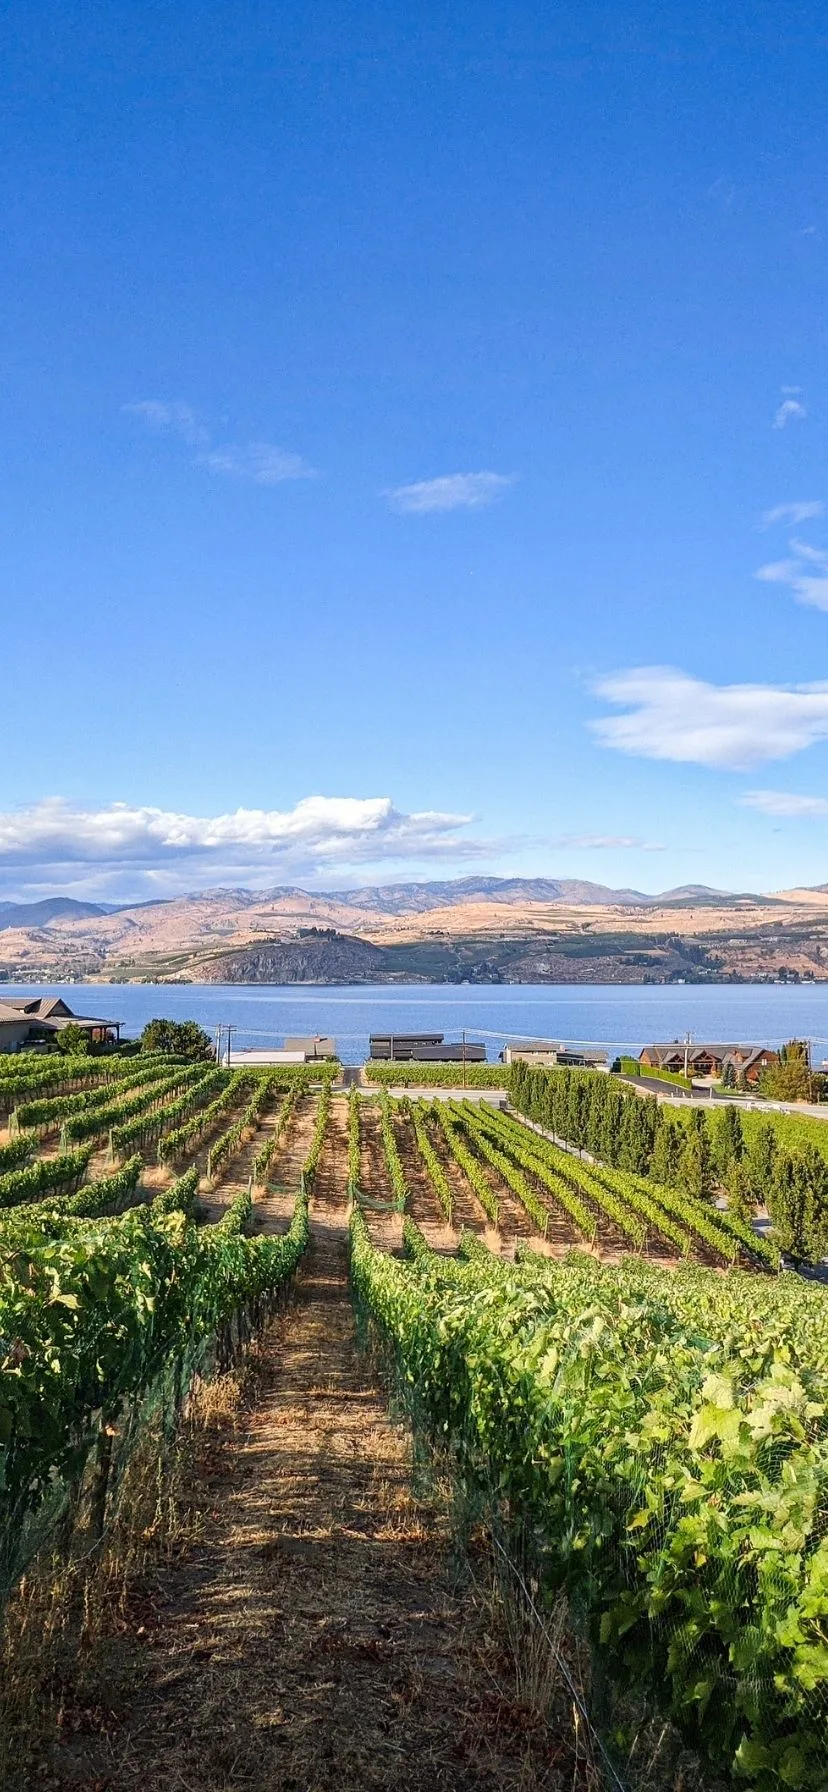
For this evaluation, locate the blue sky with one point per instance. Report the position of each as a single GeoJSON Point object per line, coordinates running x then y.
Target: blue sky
{"type": "Point", "coordinates": [390, 395]}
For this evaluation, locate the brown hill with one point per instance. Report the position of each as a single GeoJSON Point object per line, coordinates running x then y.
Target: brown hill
{"type": "Point", "coordinates": [482, 928]}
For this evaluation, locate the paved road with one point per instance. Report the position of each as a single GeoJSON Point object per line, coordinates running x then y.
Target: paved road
{"type": "Point", "coordinates": [747, 1104]}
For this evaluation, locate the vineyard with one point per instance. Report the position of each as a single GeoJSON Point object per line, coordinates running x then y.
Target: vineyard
{"type": "Point", "coordinates": [605, 1362]}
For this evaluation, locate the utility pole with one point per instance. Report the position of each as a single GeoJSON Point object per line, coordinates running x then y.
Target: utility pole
{"type": "Point", "coordinates": [688, 1040]}
{"type": "Point", "coordinates": [464, 1057]}
{"type": "Point", "coordinates": [229, 1031]}
{"type": "Point", "coordinates": [218, 1043]}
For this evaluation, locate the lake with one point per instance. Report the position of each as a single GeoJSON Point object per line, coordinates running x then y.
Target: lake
{"type": "Point", "coordinates": [620, 1016]}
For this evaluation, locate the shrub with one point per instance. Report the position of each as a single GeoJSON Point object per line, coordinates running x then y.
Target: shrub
{"type": "Point", "coordinates": [183, 1038]}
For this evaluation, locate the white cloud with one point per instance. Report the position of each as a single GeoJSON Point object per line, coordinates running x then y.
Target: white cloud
{"type": "Point", "coordinates": [806, 575]}
{"type": "Point", "coordinates": [607, 842]}
{"type": "Point", "coordinates": [785, 803]}
{"type": "Point", "coordinates": [790, 408]}
{"type": "Point", "coordinates": [803, 512]}
{"type": "Point", "coordinates": [674, 716]}
{"type": "Point", "coordinates": [455, 491]}
{"type": "Point", "coordinates": [261, 462]}
{"type": "Point", "coordinates": [174, 419]}
{"type": "Point", "coordinates": [144, 847]}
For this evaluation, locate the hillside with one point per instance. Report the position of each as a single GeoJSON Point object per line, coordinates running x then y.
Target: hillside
{"type": "Point", "coordinates": [476, 928]}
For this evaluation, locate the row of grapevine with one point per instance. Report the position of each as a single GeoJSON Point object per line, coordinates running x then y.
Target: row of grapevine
{"type": "Point", "coordinates": [48, 1176]}
{"type": "Point", "coordinates": [53, 1214]}
{"type": "Point", "coordinates": [16, 1152]}
{"type": "Point", "coordinates": [722, 1232]}
{"type": "Point", "coordinates": [181, 1140]}
{"type": "Point", "coordinates": [48, 1112]}
{"type": "Point", "coordinates": [555, 1167]}
{"type": "Point", "coordinates": [272, 1146]}
{"type": "Point", "coordinates": [180, 1197]}
{"type": "Point", "coordinates": [95, 1122]}
{"type": "Point", "coordinates": [393, 1162]}
{"type": "Point", "coordinates": [54, 1071]}
{"type": "Point", "coordinates": [434, 1169]}
{"type": "Point", "coordinates": [104, 1311]}
{"type": "Point", "coordinates": [107, 1194]}
{"type": "Point", "coordinates": [323, 1114]}
{"type": "Point", "coordinates": [354, 1150]}
{"type": "Point", "coordinates": [633, 1203]}
{"type": "Point", "coordinates": [151, 1123]}
{"type": "Point", "coordinates": [660, 1448]}
{"type": "Point", "coordinates": [466, 1161]}
{"type": "Point", "coordinates": [482, 1126]}
{"type": "Point", "coordinates": [437, 1076]}
{"type": "Point", "coordinates": [567, 1178]}
{"type": "Point", "coordinates": [230, 1142]}
{"type": "Point", "coordinates": [468, 1116]}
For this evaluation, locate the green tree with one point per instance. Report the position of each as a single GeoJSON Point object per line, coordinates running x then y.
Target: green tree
{"type": "Point", "coordinates": [737, 1187]}
{"type": "Point", "coordinates": [760, 1160]}
{"type": "Point", "coordinates": [696, 1162]}
{"type": "Point", "coordinates": [798, 1203]}
{"type": "Point", "coordinates": [181, 1038]}
{"type": "Point", "coordinates": [790, 1079]}
{"type": "Point", "coordinates": [74, 1041]}
{"type": "Point", "coordinates": [728, 1076]}
{"type": "Point", "coordinates": [664, 1163]}
{"type": "Point", "coordinates": [727, 1138]}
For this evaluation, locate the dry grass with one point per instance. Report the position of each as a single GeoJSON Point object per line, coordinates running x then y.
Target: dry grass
{"type": "Point", "coordinates": [64, 1626]}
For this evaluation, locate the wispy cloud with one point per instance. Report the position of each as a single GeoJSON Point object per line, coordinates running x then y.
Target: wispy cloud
{"type": "Point", "coordinates": [607, 843]}
{"type": "Point", "coordinates": [806, 574]}
{"type": "Point", "coordinates": [454, 491]}
{"type": "Point", "coordinates": [171, 419]}
{"type": "Point", "coordinates": [261, 462]}
{"type": "Point", "coordinates": [784, 804]}
{"type": "Point", "coordinates": [671, 715]}
{"type": "Point", "coordinates": [791, 407]}
{"type": "Point", "coordinates": [803, 512]}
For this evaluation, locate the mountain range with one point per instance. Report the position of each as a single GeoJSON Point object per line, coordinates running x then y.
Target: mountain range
{"type": "Point", "coordinates": [385, 899]}
{"type": "Point", "coordinates": [483, 929]}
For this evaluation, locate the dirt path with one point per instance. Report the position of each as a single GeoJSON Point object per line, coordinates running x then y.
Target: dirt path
{"type": "Point", "coordinates": [314, 1636]}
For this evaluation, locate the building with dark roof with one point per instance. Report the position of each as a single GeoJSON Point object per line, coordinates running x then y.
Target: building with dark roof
{"type": "Point", "coordinates": [32, 1022]}
{"type": "Point", "coordinates": [709, 1062]}
{"type": "Point", "coordinates": [425, 1048]}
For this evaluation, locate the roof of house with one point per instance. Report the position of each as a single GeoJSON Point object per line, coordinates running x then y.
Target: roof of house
{"type": "Point", "coordinates": [742, 1057]}
{"type": "Point", "coordinates": [677, 1045]}
{"type": "Point", "coordinates": [47, 1011]}
{"type": "Point", "coordinates": [751, 1053]}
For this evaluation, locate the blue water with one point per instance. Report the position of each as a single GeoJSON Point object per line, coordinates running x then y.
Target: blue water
{"type": "Point", "coordinates": [620, 1016]}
